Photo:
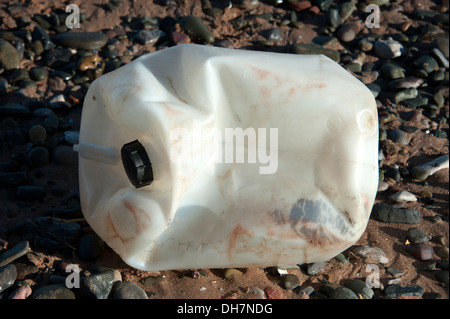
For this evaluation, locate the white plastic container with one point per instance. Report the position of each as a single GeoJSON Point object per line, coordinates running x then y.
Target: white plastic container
{"type": "Point", "coordinates": [303, 192]}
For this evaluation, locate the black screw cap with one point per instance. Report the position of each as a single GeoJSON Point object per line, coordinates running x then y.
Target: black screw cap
{"type": "Point", "coordinates": [137, 164]}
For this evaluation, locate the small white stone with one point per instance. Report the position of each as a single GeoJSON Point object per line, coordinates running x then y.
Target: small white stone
{"type": "Point", "coordinates": [403, 196]}
{"type": "Point", "coordinates": [375, 253]}
{"type": "Point", "coordinates": [382, 186]}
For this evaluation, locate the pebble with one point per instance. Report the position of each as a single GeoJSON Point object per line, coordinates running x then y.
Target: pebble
{"type": "Point", "coordinates": [388, 49]}
{"type": "Point", "coordinates": [38, 73]}
{"type": "Point", "coordinates": [9, 56]}
{"type": "Point", "coordinates": [382, 186]}
{"type": "Point", "coordinates": [39, 34]}
{"type": "Point", "coordinates": [414, 103]}
{"type": "Point", "coordinates": [397, 273]}
{"type": "Point", "coordinates": [359, 287]}
{"type": "Point", "coordinates": [98, 285]}
{"type": "Point", "coordinates": [348, 32]}
{"type": "Point", "coordinates": [71, 137]}
{"type": "Point", "coordinates": [421, 172]}
{"type": "Point", "coordinates": [153, 280]}
{"type": "Point", "coordinates": [407, 82]}
{"type": "Point", "coordinates": [65, 155]}
{"type": "Point", "coordinates": [82, 40]}
{"type": "Point", "coordinates": [374, 253]}
{"type": "Point", "coordinates": [37, 132]}
{"type": "Point", "coordinates": [400, 137]}
{"type": "Point", "coordinates": [328, 288]}
{"type": "Point", "coordinates": [441, 59]}
{"type": "Point", "coordinates": [405, 94]}
{"type": "Point", "coordinates": [442, 251]}
{"type": "Point", "coordinates": [290, 281]}
{"type": "Point", "coordinates": [394, 291]}
{"type": "Point", "coordinates": [427, 63]}
{"type": "Point", "coordinates": [420, 251]}
{"type": "Point", "coordinates": [314, 268]}
{"type": "Point", "coordinates": [391, 71]}
{"type": "Point", "coordinates": [403, 196]}
{"type": "Point", "coordinates": [341, 258]}
{"type": "Point", "coordinates": [39, 156]}
{"type": "Point", "coordinates": [308, 290]}
{"type": "Point", "coordinates": [442, 43]}
{"type": "Point", "coordinates": [30, 193]}
{"type": "Point", "coordinates": [196, 29]}
{"type": "Point", "coordinates": [442, 276]}
{"type": "Point", "coordinates": [389, 214]}
{"type": "Point", "coordinates": [90, 248]}
{"type": "Point", "coordinates": [127, 290]}
{"type": "Point", "coordinates": [229, 272]}
{"type": "Point", "coordinates": [343, 293]}
{"type": "Point", "coordinates": [416, 236]}
{"type": "Point", "coordinates": [55, 291]}
{"type": "Point", "coordinates": [8, 275]}
{"type": "Point", "coordinates": [13, 253]}
{"type": "Point", "coordinates": [149, 36]}
{"type": "Point", "coordinates": [14, 109]}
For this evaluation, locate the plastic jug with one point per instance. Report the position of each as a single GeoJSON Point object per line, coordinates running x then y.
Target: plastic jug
{"type": "Point", "coordinates": [203, 157]}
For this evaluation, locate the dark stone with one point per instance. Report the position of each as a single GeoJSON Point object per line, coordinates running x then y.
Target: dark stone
{"type": "Point", "coordinates": [388, 214]}
{"type": "Point", "coordinates": [82, 40]}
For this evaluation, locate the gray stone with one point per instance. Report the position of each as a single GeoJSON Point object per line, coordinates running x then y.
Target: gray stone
{"type": "Point", "coordinates": [314, 268]}
{"type": "Point", "coordinates": [395, 272]}
{"type": "Point", "coordinates": [13, 253]}
{"type": "Point", "coordinates": [414, 103]}
{"type": "Point", "coordinates": [442, 60]}
{"type": "Point", "coordinates": [343, 293]}
{"type": "Point", "coordinates": [427, 63]}
{"type": "Point", "coordinates": [394, 291]}
{"type": "Point", "coordinates": [149, 36]}
{"type": "Point", "coordinates": [442, 43]}
{"type": "Point", "coordinates": [391, 71]}
{"type": "Point", "coordinates": [400, 137]}
{"type": "Point", "coordinates": [403, 196]}
{"type": "Point", "coordinates": [8, 275]}
{"type": "Point", "coordinates": [98, 285]}
{"type": "Point", "coordinates": [409, 82]}
{"type": "Point", "coordinates": [388, 49]}
{"type": "Point", "coordinates": [359, 287]}
{"type": "Point", "coordinates": [82, 40]}
{"type": "Point", "coordinates": [347, 32]}
{"type": "Point", "coordinates": [290, 281]}
{"type": "Point", "coordinates": [405, 94]}
{"type": "Point", "coordinates": [389, 214]}
{"type": "Point", "coordinates": [54, 292]}
{"type": "Point", "coordinates": [416, 236]}
{"type": "Point", "coordinates": [127, 290]}
{"type": "Point", "coordinates": [308, 290]}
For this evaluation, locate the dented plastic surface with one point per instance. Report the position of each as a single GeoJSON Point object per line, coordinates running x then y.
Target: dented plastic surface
{"type": "Point", "coordinates": [308, 201]}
